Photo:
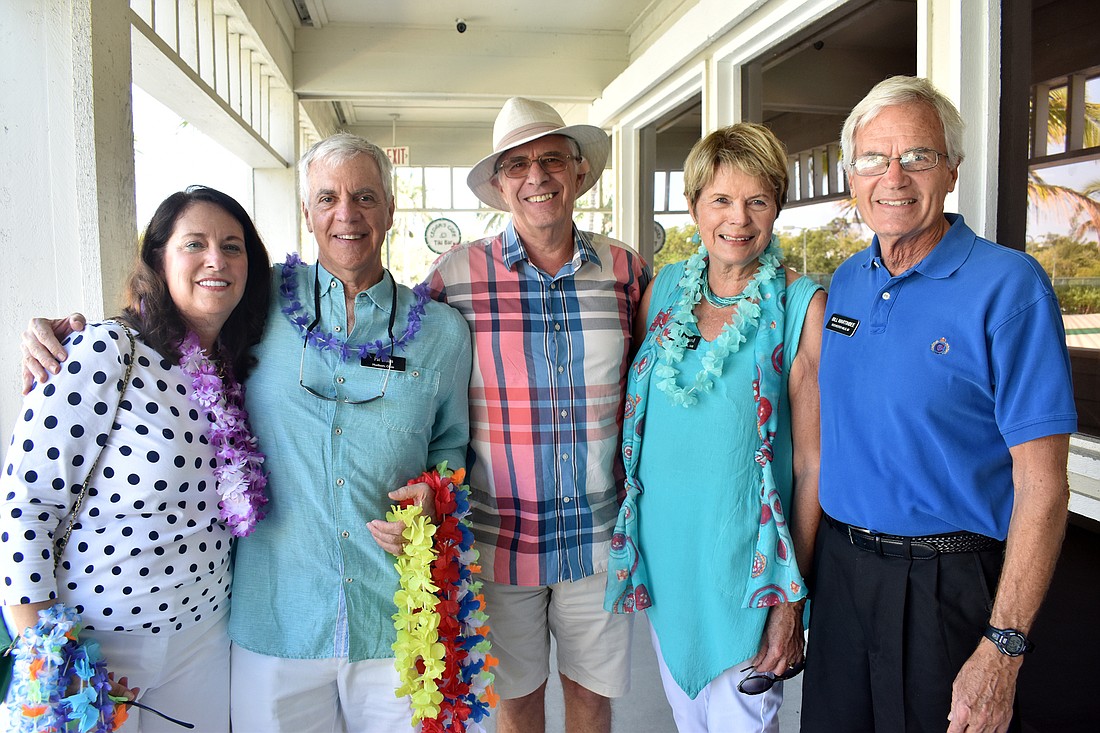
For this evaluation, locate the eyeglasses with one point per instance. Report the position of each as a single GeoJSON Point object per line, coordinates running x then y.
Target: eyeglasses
{"type": "Point", "coordinates": [917, 159]}
{"type": "Point", "coordinates": [757, 683]}
{"type": "Point", "coordinates": [550, 162]}
{"type": "Point", "coordinates": [313, 325]}
{"type": "Point", "coordinates": [341, 400]}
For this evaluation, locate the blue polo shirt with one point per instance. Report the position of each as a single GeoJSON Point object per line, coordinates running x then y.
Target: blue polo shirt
{"type": "Point", "coordinates": [928, 377]}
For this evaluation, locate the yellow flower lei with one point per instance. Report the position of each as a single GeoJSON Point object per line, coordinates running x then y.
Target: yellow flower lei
{"type": "Point", "coordinates": [417, 646]}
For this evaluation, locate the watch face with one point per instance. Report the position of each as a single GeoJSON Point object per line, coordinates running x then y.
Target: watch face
{"type": "Point", "coordinates": [1013, 642]}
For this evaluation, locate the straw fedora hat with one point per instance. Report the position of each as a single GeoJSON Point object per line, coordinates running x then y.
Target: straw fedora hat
{"type": "Point", "coordinates": [522, 120]}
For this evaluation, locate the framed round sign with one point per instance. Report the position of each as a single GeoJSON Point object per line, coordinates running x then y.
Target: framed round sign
{"type": "Point", "coordinates": [441, 235]}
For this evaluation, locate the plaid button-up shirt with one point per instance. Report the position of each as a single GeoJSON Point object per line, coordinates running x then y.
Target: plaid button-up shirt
{"type": "Point", "coordinates": [551, 353]}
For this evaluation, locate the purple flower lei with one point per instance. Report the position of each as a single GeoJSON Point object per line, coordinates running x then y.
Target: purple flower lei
{"type": "Point", "coordinates": [294, 311]}
{"type": "Point", "coordinates": [241, 482]}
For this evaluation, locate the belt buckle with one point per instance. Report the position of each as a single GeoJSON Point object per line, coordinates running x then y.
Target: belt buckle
{"type": "Point", "coordinates": [859, 532]}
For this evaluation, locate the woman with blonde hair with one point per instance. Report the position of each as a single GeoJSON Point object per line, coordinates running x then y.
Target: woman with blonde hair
{"type": "Point", "coordinates": [720, 446]}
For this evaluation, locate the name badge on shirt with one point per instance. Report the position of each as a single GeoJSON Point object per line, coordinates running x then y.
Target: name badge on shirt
{"type": "Point", "coordinates": [843, 325]}
{"type": "Point", "coordinates": [394, 363]}
{"type": "Point", "coordinates": [693, 342]}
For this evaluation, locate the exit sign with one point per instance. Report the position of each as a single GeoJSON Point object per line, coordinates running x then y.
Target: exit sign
{"type": "Point", "coordinates": [398, 156]}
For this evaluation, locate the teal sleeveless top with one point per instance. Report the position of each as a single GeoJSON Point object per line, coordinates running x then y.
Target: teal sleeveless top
{"type": "Point", "coordinates": [699, 515]}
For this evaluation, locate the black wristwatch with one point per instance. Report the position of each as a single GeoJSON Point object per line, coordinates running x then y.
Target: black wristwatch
{"type": "Point", "coordinates": [1009, 642]}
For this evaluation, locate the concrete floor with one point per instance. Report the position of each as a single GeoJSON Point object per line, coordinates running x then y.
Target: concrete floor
{"type": "Point", "coordinates": [644, 709]}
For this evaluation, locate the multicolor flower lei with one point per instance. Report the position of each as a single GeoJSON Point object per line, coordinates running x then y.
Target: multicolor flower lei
{"type": "Point", "coordinates": [49, 660]}
{"type": "Point", "coordinates": [294, 311]}
{"type": "Point", "coordinates": [241, 482]}
{"type": "Point", "coordinates": [671, 350]}
{"type": "Point", "coordinates": [442, 655]}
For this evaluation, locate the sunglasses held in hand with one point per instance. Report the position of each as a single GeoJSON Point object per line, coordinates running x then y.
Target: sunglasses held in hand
{"type": "Point", "coordinates": [136, 704]}
{"type": "Point", "coordinates": [757, 683]}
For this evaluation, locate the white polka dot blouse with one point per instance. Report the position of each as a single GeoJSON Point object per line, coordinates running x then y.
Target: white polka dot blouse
{"type": "Point", "coordinates": [148, 553]}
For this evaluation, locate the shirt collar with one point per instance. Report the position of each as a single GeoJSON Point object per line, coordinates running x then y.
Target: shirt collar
{"type": "Point", "coordinates": [946, 257]}
{"type": "Point", "coordinates": [381, 293]}
{"type": "Point", "coordinates": [513, 252]}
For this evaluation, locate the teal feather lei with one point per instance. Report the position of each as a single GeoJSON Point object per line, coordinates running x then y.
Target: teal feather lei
{"type": "Point", "coordinates": [670, 352]}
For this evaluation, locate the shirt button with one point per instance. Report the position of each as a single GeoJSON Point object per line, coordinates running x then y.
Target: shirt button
{"type": "Point", "coordinates": [564, 413]}
{"type": "Point", "coordinates": [339, 482]}
{"type": "Point", "coordinates": [332, 283]}
{"type": "Point", "coordinates": [565, 456]}
{"type": "Point", "coordinates": [345, 534]}
{"type": "Point", "coordinates": [339, 380]}
{"type": "Point", "coordinates": [415, 373]}
{"type": "Point", "coordinates": [561, 369]}
{"type": "Point", "coordinates": [336, 328]}
{"type": "Point", "coordinates": [557, 326]}
{"type": "Point", "coordinates": [347, 580]}
{"type": "Point", "coordinates": [567, 499]}
{"type": "Point", "coordinates": [886, 296]}
{"type": "Point", "coordinates": [553, 285]}
{"type": "Point", "coordinates": [339, 431]}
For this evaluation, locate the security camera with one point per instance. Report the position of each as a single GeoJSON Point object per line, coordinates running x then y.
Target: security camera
{"type": "Point", "coordinates": [460, 25]}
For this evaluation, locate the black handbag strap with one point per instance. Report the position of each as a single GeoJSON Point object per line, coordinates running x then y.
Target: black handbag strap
{"type": "Point", "coordinates": [60, 543]}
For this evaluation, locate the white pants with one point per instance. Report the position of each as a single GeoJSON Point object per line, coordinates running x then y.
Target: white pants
{"type": "Point", "coordinates": [272, 694]}
{"type": "Point", "coordinates": [184, 674]}
{"type": "Point", "coordinates": [720, 707]}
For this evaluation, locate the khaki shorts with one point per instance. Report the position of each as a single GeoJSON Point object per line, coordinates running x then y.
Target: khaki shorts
{"type": "Point", "coordinates": [593, 645]}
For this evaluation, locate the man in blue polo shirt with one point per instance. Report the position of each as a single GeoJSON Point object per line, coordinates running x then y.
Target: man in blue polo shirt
{"type": "Point", "coordinates": [946, 406]}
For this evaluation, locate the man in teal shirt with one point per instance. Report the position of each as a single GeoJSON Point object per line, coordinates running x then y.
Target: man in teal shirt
{"type": "Point", "coordinates": [343, 426]}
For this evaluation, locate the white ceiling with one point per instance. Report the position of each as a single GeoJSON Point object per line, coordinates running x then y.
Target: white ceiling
{"type": "Point", "coordinates": [373, 59]}
{"type": "Point", "coordinates": [561, 15]}
{"type": "Point", "coordinates": [377, 66]}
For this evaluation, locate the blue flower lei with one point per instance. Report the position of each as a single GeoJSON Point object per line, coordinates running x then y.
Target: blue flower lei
{"type": "Point", "coordinates": [670, 350]}
{"type": "Point", "coordinates": [324, 341]}
{"type": "Point", "coordinates": [49, 659]}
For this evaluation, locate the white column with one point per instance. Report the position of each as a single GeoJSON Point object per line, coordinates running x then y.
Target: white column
{"type": "Point", "coordinates": [625, 161]}
{"type": "Point", "coordinates": [275, 189]}
{"type": "Point", "coordinates": [275, 197]}
{"type": "Point", "coordinates": [959, 50]}
{"type": "Point", "coordinates": [67, 214]}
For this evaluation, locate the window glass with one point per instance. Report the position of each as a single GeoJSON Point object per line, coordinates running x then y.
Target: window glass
{"type": "Point", "coordinates": [463, 197]}
{"type": "Point", "coordinates": [660, 191]}
{"type": "Point", "coordinates": [1063, 234]}
{"type": "Point", "coordinates": [676, 200]}
{"type": "Point", "coordinates": [409, 188]}
{"type": "Point", "coordinates": [437, 188]}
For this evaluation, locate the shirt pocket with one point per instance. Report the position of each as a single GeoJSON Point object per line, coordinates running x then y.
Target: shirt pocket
{"type": "Point", "coordinates": [409, 404]}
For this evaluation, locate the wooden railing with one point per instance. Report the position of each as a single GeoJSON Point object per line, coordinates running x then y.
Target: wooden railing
{"type": "Point", "coordinates": [816, 175]}
{"type": "Point", "coordinates": [1076, 119]}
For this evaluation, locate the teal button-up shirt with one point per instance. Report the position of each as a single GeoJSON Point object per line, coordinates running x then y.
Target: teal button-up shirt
{"type": "Point", "coordinates": [311, 582]}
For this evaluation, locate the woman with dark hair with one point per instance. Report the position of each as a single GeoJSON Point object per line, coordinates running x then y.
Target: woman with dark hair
{"type": "Point", "coordinates": [128, 474]}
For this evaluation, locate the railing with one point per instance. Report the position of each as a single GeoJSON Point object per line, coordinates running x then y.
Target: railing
{"type": "Point", "coordinates": [1067, 97]}
{"type": "Point", "coordinates": [1089, 282]}
{"type": "Point", "coordinates": [225, 60]}
{"type": "Point", "coordinates": [816, 175]}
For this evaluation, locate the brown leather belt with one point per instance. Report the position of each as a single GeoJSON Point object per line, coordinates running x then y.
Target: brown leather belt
{"type": "Point", "coordinates": [914, 548]}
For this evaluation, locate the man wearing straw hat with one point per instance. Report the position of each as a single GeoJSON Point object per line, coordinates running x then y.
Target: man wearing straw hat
{"type": "Point", "coordinates": [550, 310]}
